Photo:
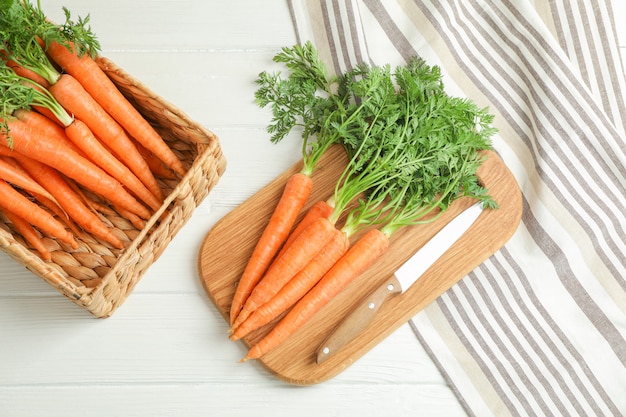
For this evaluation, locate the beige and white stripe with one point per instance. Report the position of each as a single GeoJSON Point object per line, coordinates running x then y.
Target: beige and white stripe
{"type": "Point", "coordinates": [540, 327]}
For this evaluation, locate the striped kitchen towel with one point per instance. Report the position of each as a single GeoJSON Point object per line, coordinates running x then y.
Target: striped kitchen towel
{"type": "Point", "coordinates": [539, 329]}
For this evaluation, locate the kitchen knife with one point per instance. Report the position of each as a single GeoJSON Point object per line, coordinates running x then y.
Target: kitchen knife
{"type": "Point", "coordinates": [400, 281]}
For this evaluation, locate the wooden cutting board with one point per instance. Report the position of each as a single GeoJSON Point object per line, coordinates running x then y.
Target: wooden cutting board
{"type": "Point", "coordinates": [227, 246]}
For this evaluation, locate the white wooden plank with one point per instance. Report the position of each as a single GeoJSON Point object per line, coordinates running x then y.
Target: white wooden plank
{"type": "Point", "coordinates": [214, 88]}
{"type": "Point", "coordinates": [206, 399]}
{"type": "Point", "coordinates": [182, 24]}
{"type": "Point", "coordinates": [162, 338]}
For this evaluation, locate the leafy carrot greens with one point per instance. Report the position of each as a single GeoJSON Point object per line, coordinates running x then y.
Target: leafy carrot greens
{"type": "Point", "coordinates": [413, 148]}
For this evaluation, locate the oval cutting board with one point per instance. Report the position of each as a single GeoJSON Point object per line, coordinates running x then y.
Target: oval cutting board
{"type": "Point", "coordinates": [227, 246]}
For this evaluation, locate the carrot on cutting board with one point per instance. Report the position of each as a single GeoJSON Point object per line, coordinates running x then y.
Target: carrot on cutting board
{"type": "Point", "coordinates": [76, 100]}
{"type": "Point", "coordinates": [308, 244]}
{"type": "Point", "coordinates": [13, 201]}
{"type": "Point", "coordinates": [29, 234]}
{"type": "Point", "coordinates": [356, 260]}
{"type": "Point", "coordinates": [101, 88]}
{"type": "Point", "coordinates": [297, 287]}
{"type": "Point", "coordinates": [31, 142]}
{"type": "Point", "coordinates": [321, 209]}
{"type": "Point", "coordinates": [69, 200]}
{"type": "Point", "coordinates": [295, 194]}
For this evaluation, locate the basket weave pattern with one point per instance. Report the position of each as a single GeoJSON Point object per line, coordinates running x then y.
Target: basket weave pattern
{"type": "Point", "coordinates": [96, 276]}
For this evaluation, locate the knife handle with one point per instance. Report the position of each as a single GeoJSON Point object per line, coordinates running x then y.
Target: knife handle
{"type": "Point", "coordinates": [358, 319]}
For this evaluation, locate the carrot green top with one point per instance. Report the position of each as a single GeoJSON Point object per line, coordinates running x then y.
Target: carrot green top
{"type": "Point", "coordinates": [18, 93]}
{"type": "Point", "coordinates": [413, 149]}
{"type": "Point", "coordinates": [24, 26]}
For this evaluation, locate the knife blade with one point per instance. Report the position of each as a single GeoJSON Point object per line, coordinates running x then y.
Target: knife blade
{"type": "Point", "coordinates": [405, 276]}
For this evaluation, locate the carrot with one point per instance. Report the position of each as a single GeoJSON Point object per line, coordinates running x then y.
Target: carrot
{"type": "Point", "coordinates": [28, 141]}
{"type": "Point", "coordinates": [11, 200]}
{"type": "Point", "coordinates": [75, 132]}
{"type": "Point", "coordinates": [81, 136]}
{"type": "Point", "coordinates": [356, 260]}
{"type": "Point", "coordinates": [56, 209]}
{"type": "Point", "coordinates": [296, 192]}
{"type": "Point", "coordinates": [321, 209]}
{"type": "Point", "coordinates": [69, 200]}
{"type": "Point", "coordinates": [17, 176]}
{"type": "Point", "coordinates": [97, 83]}
{"type": "Point", "coordinates": [25, 72]}
{"type": "Point", "coordinates": [297, 287]}
{"type": "Point", "coordinates": [76, 100]}
{"type": "Point", "coordinates": [139, 223]}
{"type": "Point", "coordinates": [47, 125]}
{"type": "Point", "coordinates": [297, 256]}
{"type": "Point", "coordinates": [29, 234]}
{"type": "Point", "coordinates": [157, 166]}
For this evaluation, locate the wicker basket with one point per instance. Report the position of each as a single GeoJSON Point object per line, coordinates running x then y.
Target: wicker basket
{"type": "Point", "coordinates": [97, 277]}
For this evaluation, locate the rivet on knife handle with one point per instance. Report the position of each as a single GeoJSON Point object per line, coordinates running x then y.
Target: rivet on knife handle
{"type": "Point", "coordinates": [358, 319]}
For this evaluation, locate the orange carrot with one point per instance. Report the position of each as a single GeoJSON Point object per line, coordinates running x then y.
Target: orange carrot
{"type": "Point", "coordinates": [47, 125]}
{"type": "Point", "coordinates": [102, 89]}
{"type": "Point", "coordinates": [56, 209]}
{"type": "Point", "coordinates": [81, 136]}
{"type": "Point", "coordinates": [23, 180]}
{"type": "Point", "coordinates": [297, 287]}
{"type": "Point", "coordinates": [17, 176]}
{"type": "Point", "coordinates": [157, 166]}
{"type": "Point", "coordinates": [296, 192]}
{"type": "Point", "coordinates": [76, 100]}
{"type": "Point", "coordinates": [139, 223]}
{"type": "Point", "coordinates": [29, 234]}
{"type": "Point", "coordinates": [26, 73]}
{"type": "Point", "coordinates": [11, 200]}
{"type": "Point", "coordinates": [30, 142]}
{"type": "Point", "coordinates": [297, 256]}
{"type": "Point", "coordinates": [356, 260]}
{"type": "Point", "coordinates": [69, 200]}
{"type": "Point", "coordinates": [321, 209]}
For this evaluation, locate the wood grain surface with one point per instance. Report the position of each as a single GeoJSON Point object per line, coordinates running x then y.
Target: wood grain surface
{"type": "Point", "coordinates": [227, 246]}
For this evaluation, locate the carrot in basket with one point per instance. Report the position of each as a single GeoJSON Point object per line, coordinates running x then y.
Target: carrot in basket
{"type": "Point", "coordinates": [29, 234]}
{"type": "Point", "coordinates": [20, 178]}
{"type": "Point", "coordinates": [26, 73]}
{"type": "Point", "coordinates": [13, 201]}
{"type": "Point", "coordinates": [356, 260]}
{"type": "Point", "coordinates": [157, 166]}
{"type": "Point", "coordinates": [50, 126]}
{"type": "Point", "coordinates": [297, 256]}
{"type": "Point", "coordinates": [81, 135]}
{"type": "Point", "coordinates": [25, 93]}
{"type": "Point", "coordinates": [297, 287]}
{"type": "Point", "coordinates": [76, 100]}
{"type": "Point", "coordinates": [69, 200]}
{"type": "Point", "coordinates": [296, 192]}
{"type": "Point", "coordinates": [23, 46]}
{"type": "Point", "coordinates": [17, 176]}
{"type": "Point", "coordinates": [102, 89]}
{"type": "Point", "coordinates": [28, 141]}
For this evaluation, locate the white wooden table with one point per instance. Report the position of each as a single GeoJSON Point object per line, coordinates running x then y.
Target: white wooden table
{"type": "Point", "coordinates": [165, 351]}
